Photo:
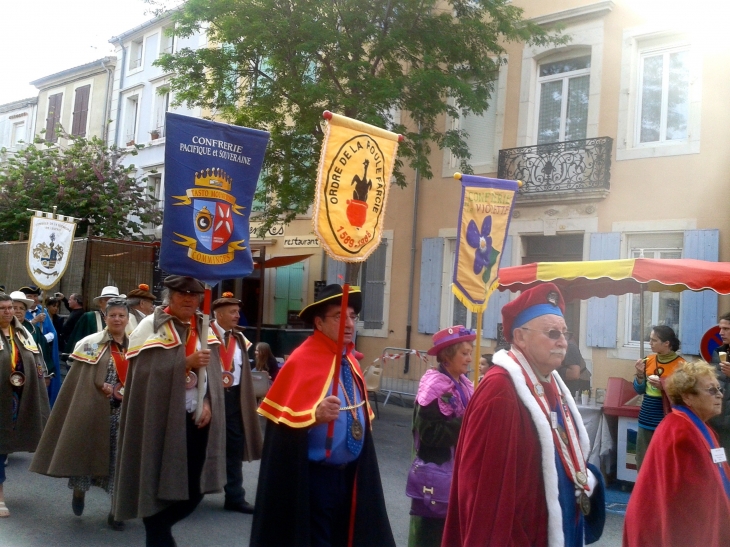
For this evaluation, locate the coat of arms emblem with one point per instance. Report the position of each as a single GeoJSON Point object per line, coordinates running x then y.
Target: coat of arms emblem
{"type": "Point", "coordinates": [213, 210]}
{"type": "Point", "coordinates": [49, 246]}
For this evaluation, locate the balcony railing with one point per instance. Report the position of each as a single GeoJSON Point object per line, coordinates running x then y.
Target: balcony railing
{"type": "Point", "coordinates": [571, 169]}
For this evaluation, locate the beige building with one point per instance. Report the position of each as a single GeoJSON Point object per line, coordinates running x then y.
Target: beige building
{"type": "Point", "coordinates": [77, 99]}
{"type": "Point", "coordinates": [620, 137]}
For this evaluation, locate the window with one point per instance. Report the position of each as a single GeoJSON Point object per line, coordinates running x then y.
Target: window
{"type": "Point", "coordinates": [481, 133]}
{"type": "Point", "coordinates": [53, 118]}
{"type": "Point", "coordinates": [17, 133]}
{"type": "Point", "coordinates": [131, 107]}
{"type": "Point", "coordinates": [659, 113]}
{"type": "Point", "coordinates": [563, 88]}
{"type": "Point", "coordinates": [162, 103]}
{"type": "Point", "coordinates": [136, 50]}
{"type": "Point", "coordinates": [81, 111]}
{"type": "Point", "coordinates": [660, 308]}
{"type": "Point", "coordinates": [167, 40]}
{"type": "Point", "coordinates": [663, 105]}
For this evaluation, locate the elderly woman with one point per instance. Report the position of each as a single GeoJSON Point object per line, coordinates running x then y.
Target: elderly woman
{"type": "Point", "coordinates": [682, 495]}
{"type": "Point", "coordinates": [443, 394]}
{"type": "Point", "coordinates": [80, 441]}
{"type": "Point", "coordinates": [24, 405]}
{"type": "Point", "coordinates": [651, 373]}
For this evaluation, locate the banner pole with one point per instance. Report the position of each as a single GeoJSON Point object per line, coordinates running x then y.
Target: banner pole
{"type": "Point", "coordinates": [338, 361]}
{"type": "Point", "coordinates": [478, 349]}
{"type": "Point", "coordinates": [203, 372]}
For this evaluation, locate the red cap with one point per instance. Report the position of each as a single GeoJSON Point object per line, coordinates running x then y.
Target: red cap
{"type": "Point", "coordinates": [544, 299]}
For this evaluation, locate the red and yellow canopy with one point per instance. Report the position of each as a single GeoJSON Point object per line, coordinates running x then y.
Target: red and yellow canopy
{"type": "Point", "coordinates": [582, 280]}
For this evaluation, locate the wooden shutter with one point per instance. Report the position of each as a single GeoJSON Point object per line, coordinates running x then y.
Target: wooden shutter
{"type": "Point", "coordinates": [373, 287]}
{"type": "Point", "coordinates": [429, 299]}
{"type": "Point", "coordinates": [281, 295]}
{"type": "Point", "coordinates": [81, 110]}
{"type": "Point", "coordinates": [53, 117]}
{"type": "Point", "coordinates": [493, 313]}
{"type": "Point", "coordinates": [602, 316]}
{"type": "Point", "coordinates": [698, 310]}
{"type": "Point", "coordinates": [335, 269]}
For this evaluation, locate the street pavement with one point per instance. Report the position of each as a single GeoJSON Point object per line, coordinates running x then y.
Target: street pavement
{"type": "Point", "coordinates": [41, 506]}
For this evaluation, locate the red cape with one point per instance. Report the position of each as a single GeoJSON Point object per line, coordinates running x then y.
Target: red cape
{"type": "Point", "coordinates": [497, 472]}
{"type": "Point", "coordinates": [678, 499]}
{"type": "Point", "coordinates": [304, 380]}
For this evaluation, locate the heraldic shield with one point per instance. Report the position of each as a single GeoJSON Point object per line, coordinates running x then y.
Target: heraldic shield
{"type": "Point", "coordinates": [213, 223]}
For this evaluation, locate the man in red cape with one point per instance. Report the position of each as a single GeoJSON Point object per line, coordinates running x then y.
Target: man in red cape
{"type": "Point", "coordinates": [305, 497]}
{"type": "Point", "coordinates": [520, 475]}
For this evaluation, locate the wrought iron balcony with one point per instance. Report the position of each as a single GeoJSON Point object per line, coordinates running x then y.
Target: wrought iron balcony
{"type": "Point", "coordinates": [572, 170]}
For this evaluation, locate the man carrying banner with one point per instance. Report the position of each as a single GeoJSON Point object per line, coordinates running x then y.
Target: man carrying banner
{"type": "Point", "coordinates": [243, 431]}
{"type": "Point", "coordinates": [41, 320]}
{"type": "Point", "coordinates": [328, 499]}
{"type": "Point", "coordinates": [520, 476]}
{"type": "Point", "coordinates": [166, 461]}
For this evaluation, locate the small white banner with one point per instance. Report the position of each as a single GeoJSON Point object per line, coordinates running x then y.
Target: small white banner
{"type": "Point", "coordinates": [301, 242]}
{"type": "Point", "coordinates": [49, 248]}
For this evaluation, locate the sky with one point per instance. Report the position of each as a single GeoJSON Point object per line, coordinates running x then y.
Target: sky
{"type": "Point", "coordinates": [41, 37]}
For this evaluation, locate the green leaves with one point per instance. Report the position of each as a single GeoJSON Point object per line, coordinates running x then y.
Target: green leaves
{"type": "Point", "coordinates": [84, 179]}
{"type": "Point", "coordinates": [277, 64]}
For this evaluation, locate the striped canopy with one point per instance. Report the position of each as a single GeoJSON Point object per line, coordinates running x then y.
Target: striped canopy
{"type": "Point", "coordinates": [583, 280]}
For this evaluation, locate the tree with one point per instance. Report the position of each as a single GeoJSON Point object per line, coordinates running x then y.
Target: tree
{"type": "Point", "coordinates": [84, 179]}
{"type": "Point", "coordinates": [280, 63]}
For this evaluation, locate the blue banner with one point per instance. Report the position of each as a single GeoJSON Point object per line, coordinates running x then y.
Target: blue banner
{"type": "Point", "coordinates": [211, 171]}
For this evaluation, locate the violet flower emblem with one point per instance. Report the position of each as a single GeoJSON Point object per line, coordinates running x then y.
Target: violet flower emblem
{"type": "Point", "coordinates": [481, 241]}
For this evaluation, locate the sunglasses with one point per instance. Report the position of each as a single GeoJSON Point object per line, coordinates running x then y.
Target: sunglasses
{"type": "Point", "coordinates": [553, 334]}
{"type": "Point", "coordinates": [713, 391]}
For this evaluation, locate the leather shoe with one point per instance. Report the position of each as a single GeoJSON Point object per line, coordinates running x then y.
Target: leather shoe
{"type": "Point", "coordinates": [117, 525]}
{"type": "Point", "coordinates": [243, 507]}
{"type": "Point", "coordinates": [77, 503]}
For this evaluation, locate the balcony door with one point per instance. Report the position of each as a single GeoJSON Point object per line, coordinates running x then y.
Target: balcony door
{"type": "Point", "coordinates": [563, 87]}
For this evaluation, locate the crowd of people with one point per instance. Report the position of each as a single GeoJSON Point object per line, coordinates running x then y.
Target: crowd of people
{"type": "Point", "coordinates": [162, 412]}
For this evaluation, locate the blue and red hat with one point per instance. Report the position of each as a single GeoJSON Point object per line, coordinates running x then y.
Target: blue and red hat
{"type": "Point", "coordinates": [544, 299]}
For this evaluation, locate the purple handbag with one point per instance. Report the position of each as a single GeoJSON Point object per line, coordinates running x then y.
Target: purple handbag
{"type": "Point", "coordinates": [428, 486]}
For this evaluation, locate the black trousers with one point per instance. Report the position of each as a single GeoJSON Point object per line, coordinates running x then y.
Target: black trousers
{"type": "Point", "coordinates": [158, 527]}
{"type": "Point", "coordinates": [330, 498]}
{"type": "Point", "coordinates": [235, 443]}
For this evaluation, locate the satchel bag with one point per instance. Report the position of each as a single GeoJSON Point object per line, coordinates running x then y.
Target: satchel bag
{"type": "Point", "coordinates": [261, 383]}
{"type": "Point", "coordinates": [428, 486]}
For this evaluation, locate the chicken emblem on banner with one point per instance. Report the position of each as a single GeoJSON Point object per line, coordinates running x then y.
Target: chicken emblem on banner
{"type": "Point", "coordinates": [352, 187]}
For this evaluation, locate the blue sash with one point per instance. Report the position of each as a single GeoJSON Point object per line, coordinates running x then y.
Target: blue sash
{"type": "Point", "coordinates": [699, 424]}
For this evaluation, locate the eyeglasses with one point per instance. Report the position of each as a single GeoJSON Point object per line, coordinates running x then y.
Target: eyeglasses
{"type": "Point", "coordinates": [713, 391]}
{"type": "Point", "coordinates": [553, 334]}
{"type": "Point", "coordinates": [337, 316]}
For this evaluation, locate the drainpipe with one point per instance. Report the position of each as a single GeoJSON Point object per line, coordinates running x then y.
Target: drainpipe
{"type": "Point", "coordinates": [409, 321]}
{"type": "Point", "coordinates": [107, 101]}
{"type": "Point", "coordinates": [121, 86]}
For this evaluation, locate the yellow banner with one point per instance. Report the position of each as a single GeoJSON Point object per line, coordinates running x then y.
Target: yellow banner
{"type": "Point", "coordinates": [486, 209]}
{"type": "Point", "coordinates": [212, 260]}
{"type": "Point", "coordinates": [352, 187]}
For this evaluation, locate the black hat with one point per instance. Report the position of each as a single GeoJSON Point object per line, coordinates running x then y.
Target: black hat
{"type": "Point", "coordinates": [184, 283]}
{"type": "Point", "coordinates": [332, 295]}
{"type": "Point", "coordinates": [30, 289]}
{"type": "Point", "coordinates": [226, 299]}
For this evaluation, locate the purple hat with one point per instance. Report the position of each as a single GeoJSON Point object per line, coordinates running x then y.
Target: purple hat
{"type": "Point", "coordinates": [448, 337]}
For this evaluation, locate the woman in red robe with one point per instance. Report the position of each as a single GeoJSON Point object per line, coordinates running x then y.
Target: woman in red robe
{"type": "Point", "coordinates": [682, 495]}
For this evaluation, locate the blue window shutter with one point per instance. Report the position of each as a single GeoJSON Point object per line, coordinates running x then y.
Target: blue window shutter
{"type": "Point", "coordinates": [602, 316]}
{"type": "Point", "coordinates": [698, 310]}
{"type": "Point", "coordinates": [493, 313]}
{"type": "Point", "coordinates": [335, 268]}
{"type": "Point", "coordinates": [429, 299]}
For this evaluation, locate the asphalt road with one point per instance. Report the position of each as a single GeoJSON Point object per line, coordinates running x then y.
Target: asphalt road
{"type": "Point", "coordinates": [41, 506]}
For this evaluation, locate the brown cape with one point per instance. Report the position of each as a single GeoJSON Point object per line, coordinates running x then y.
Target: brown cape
{"type": "Point", "coordinates": [253, 445]}
{"type": "Point", "coordinates": [24, 434]}
{"type": "Point", "coordinates": [152, 462]}
{"type": "Point", "coordinates": [76, 441]}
